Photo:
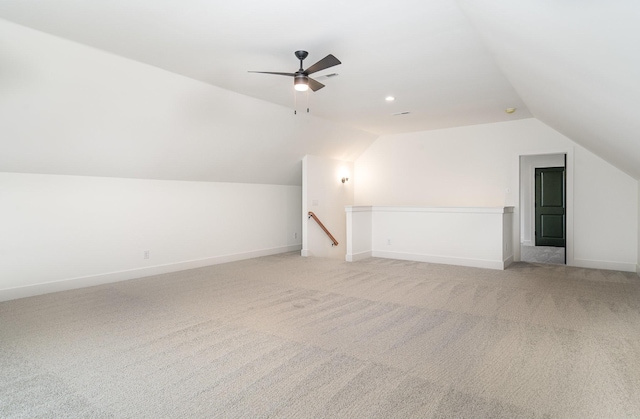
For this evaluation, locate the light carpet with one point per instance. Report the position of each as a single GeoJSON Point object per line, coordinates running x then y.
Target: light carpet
{"type": "Point", "coordinates": [291, 337]}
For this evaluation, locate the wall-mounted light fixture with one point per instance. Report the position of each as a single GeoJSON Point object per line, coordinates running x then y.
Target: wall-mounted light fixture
{"type": "Point", "coordinates": [343, 174]}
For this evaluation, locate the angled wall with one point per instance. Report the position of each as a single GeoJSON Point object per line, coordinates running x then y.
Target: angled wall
{"type": "Point", "coordinates": [104, 158]}
{"type": "Point", "coordinates": [66, 108]}
{"type": "Point", "coordinates": [479, 166]}
{"type": "Point", "coordinates": [574, 67]}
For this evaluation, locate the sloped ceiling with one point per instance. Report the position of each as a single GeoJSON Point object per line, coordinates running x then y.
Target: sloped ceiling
{"type": "Point", "coordinates": [424, 53]}
{"type": "Point", "coordinates": [575, 64]}
{"type": "Point", "coordinates": [449, 63]}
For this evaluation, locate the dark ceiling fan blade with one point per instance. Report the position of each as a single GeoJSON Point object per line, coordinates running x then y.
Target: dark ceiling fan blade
{"type": "Point", "coordinates": [273, 72]}
{"type": "Point", "coordinates": [326, 62]}
{"type": "Point", "coordinates": [315, 85]}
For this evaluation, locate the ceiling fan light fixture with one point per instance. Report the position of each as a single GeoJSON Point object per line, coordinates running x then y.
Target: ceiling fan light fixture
{"type": "Point", "coordinates": [301, 83]}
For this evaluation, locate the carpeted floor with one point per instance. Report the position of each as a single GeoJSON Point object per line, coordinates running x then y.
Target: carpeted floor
{"type": "Point", "coordinates": [291, 337]}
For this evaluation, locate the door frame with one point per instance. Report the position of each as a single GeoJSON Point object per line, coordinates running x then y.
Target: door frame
{"type": "Point", "coordinates": [520, 223]}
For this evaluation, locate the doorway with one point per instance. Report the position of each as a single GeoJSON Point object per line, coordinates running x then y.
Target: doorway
{"type": "Point", "coordinates": [550, 206]}
{"type": "Point", "coordinates": [543, 224]}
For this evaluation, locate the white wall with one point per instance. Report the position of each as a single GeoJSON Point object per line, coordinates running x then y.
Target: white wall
{"type": "Point", "coordinates": [478, 166]}
{"type": "Point", "coordinates": [324, 194]}
{"type": "Point", "coordinates": [572, 66]}
{"type": "Point", "coordinates": [605, 214]}
{"type": "Point", "coordinates": [66, 108]}
{"type": "Point", "coordinates": [458, 236]}
{"type": "Point", "coordinates": [528, 165]}
{"type": "Point", "coordinates": [359, 233]}
{"type": "Point", "coordinates": [62, 232]}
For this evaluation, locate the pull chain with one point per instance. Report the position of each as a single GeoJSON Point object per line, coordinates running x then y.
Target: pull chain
{"type": "Point", "coordinates": [295, 102]}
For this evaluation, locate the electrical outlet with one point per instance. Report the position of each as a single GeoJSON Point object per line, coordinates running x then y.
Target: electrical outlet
{"type": "Point", "coordinates": [295, 235]}
{"type": "Point", "coordinates": [388, 242]}
{"type": "Point", "coordinates": [146, 254]}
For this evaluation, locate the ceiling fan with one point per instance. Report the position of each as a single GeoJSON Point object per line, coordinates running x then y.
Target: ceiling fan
{"type": "Point", "coordinates": [301, 80]}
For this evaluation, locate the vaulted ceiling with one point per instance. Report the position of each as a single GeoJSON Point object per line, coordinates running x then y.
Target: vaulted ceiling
{"type": "Point", "coordinates": [573, 65]}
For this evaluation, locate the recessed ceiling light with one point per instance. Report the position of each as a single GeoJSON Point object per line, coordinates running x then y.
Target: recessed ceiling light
{"type": "Point", "coordinates": [401, 113]}
{"type": "Point", "coordinates": [389, 98]}
{"type": "Point", "coordinates": [510, 110]}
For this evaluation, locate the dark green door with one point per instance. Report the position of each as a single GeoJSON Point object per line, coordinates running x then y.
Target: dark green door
{"type": "Point", "coordinates": [550, 204]}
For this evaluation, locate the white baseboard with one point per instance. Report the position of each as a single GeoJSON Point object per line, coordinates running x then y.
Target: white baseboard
{"type": "Point", "coordinates": [508, 261]}
{"type": "Point", "coordinates": [304, 253]}
{"type": "Point", "coordinates": [88, 281]}
{"type": "Point", "coordinates": [357, 256]}
{"type": "Point", "coordinates": [527, 243]}
{"type": "Point", "coordinates": [603, 264]}
{"type": "Point", "coordinates": [446, 260]}
{"type": "Point", "coordinates": [638, 270]}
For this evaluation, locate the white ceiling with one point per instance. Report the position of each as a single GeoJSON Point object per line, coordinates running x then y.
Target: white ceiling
{"type": "Point", "coordinates": [574, 65]}
{"type": "Point", "coordinates": [426, 54]}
